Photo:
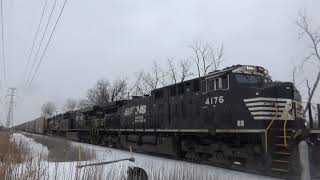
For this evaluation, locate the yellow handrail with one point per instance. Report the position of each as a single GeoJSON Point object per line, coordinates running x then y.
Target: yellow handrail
{"type": "Point", "coordinates": [297, 133]}
{"type": "Point", "coordinates": [266, 130]}
{"type": "Point", "coordinates": [285, 132]}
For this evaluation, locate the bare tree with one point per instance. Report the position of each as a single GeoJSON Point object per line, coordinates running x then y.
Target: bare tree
{"type": "Point", "coordinates": [172, 72]}
{"type": "Point", "coordinates": [138, 88]}
{"type": "Point", "coordinates": [179, 71]}
{"type": "Point", "coordinates": [313, 36]}
{"type": "Point", "coordinates": [206, 57]}
{"type": "Point", "coordinates": [118, 90]}
{"type": "Point", "coordinates": [198, 51]}
{"type": "Point", "coordinates": [294, 72]}
{"type": "Point", "coordinates": [104, 92]}
{"type": "Point", "coordinates": [99, 94]}
{"type": "Point", "coordinates": [185, 69]}
{"type": "Point", "coordinates": [83, 103]}
{"type": "Point", "coordinates": [215, 57]}
{"type": "Point", "coordinates": [71, 104]}
{"type": "Point", "coordinates": [48, 109]}
{"type": "Point", "coordinates": [153, 79]}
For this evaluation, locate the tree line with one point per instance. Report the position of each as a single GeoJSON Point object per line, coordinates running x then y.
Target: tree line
{"type": "Point", "coordinates": [205, 58]}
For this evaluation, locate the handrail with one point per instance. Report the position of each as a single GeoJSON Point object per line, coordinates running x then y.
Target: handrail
{"type": "Point", "coordinates": [297, 133]}
{"type": "Point", "coordinates": [285, 126]}
{"type": "Point", "coordinates": [132, 159]}
{"type": "Point", "coordinates": [285, 133]}
{"type": "Point", "coordinates": [266, 130]}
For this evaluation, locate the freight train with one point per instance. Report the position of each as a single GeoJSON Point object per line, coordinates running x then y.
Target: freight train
{"type": "Point", "coordinates": [236, 118]}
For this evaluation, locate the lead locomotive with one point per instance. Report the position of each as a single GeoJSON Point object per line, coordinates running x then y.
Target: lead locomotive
{"type": "Point", "coordinates": [236, 118]}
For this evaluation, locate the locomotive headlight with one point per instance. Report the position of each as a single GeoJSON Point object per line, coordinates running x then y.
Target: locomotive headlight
{"type": "Point", "coordinates": [305, 124]}
{"type": "Point", "coordinates": [251, 68]}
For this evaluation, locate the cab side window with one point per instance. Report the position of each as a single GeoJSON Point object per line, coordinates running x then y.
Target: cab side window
{"type": "Point", "coordinates": [219, 83]}
{"type": "Point", "coordinates": [196, 85]}
{"type": "Point", "coordinates": [211, 84]}
{"type": "Point", "coordinates": [203, 86]}
{"type": "Point", "coordinates": [225, 82]}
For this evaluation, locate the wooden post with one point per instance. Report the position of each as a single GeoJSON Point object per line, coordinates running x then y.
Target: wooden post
{"type": "Point", "coordinates": [310, 115]}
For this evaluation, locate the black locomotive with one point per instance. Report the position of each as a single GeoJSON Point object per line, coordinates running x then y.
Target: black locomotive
{"type": "Point", "coordinates": [235, 118]}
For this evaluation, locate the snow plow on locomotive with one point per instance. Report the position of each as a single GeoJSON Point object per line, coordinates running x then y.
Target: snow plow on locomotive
{"type": "Point", "coordinates": [235, 118]}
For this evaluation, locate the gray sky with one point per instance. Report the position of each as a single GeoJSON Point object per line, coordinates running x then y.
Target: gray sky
{"type": "Point", "coordinates": [114, 38]}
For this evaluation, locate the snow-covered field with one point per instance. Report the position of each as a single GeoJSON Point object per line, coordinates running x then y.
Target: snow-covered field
{"type": "Point", "coordinates": [156, 167]}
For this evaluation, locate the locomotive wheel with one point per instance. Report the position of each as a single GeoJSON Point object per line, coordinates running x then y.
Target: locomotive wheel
{"type": "Point", "coordinates": [192, 155]}
{"type": "Point", "coordinates": [205, 156]}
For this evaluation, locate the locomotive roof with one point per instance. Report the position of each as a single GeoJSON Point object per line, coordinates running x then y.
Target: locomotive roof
{"type": "Point", "coordinates": [245, 69]}
{"type": "Point", "coordinates": [85, 109]}
{"type": "Point", "coordinates": [101, 106]}
{"type": "Point", "coordinates": [111, 105]}
{"type": "Point", "coordinates": [108, 105]}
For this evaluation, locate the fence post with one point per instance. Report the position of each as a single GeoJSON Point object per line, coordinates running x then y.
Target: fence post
{"type": "Point", "coordinates": [318, 107]}
{"type": "Point", "coordinates": [310, 115]}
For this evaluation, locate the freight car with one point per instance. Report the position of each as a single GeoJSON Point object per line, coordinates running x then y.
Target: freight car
{"type": "Point", "coordinates": [236, 118]}
{"type": "Point", "coordinates": [36, 126]}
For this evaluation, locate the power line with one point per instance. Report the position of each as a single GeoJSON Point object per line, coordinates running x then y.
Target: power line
{"type": "Point", "coordinates": [44, 52]}
{"type": "Point", "coordinates": [3, 49]}
{"type": "Point", "coordinates": [2, 83]}
{"type": "Point", "coordinates": [35, 37]}
{"type": "Point", "coordinates": [43, 35]}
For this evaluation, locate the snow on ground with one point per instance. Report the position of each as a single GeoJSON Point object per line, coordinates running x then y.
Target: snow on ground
{"type": "Point", "coordinates": [156, 167]}
{"type": "Point", "coordinates": [37, 149]}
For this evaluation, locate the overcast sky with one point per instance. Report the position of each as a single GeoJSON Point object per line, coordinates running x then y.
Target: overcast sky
{"type": "Point", "coordinates": [115, 38]}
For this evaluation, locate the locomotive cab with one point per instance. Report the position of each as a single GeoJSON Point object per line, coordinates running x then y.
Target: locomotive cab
{"type": "Point", "coordinates": [267, 100]}
{"type": "Point", "coordinates": [248, 98]}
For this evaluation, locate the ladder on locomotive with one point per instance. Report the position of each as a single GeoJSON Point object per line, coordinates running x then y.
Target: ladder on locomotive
{"type": "Point", "coordinates": [276, 144]}
{"type": "Point", "coordinates": [279, 147]}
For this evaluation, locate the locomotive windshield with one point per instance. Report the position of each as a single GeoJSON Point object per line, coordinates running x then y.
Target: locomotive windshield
{"type": "Point", "coordinates": [251, 79]}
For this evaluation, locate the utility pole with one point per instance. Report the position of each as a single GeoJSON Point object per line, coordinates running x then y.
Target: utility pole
{"type": "Point", "coordinates": [11, 94]}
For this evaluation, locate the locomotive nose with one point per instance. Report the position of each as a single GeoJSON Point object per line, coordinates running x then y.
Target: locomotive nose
{"type": "Point", "coordinates": [279, 90]}
{"type": "Point", "coordinates": [274, 102]}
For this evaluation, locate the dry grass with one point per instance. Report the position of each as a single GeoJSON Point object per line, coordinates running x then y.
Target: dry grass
{"type": "Point", "coordinates": [10, 152]}
{"type": "Point", "coordinates": [13, 156]}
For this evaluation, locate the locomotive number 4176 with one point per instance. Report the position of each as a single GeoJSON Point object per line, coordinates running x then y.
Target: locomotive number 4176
{"type": "Point", "coordinates": [215, 100]}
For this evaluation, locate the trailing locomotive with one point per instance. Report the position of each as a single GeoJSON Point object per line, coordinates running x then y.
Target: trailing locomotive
{"type": "Point", "coordinates": [236, 118]}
